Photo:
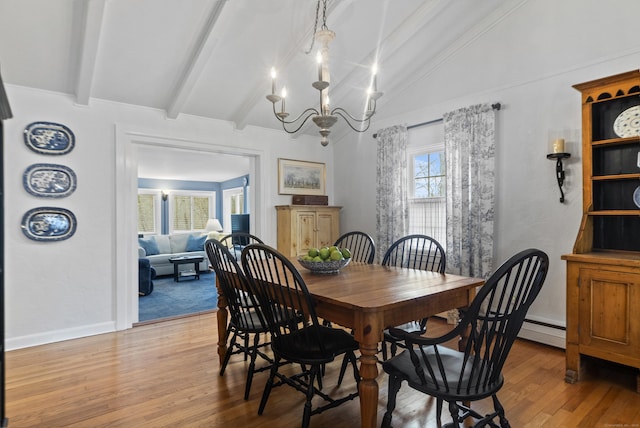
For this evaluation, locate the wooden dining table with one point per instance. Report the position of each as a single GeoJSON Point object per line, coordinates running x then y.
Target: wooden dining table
{"type": "Point", "coordinates": [369, 298]}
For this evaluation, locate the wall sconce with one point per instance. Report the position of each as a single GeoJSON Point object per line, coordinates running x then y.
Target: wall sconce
{"type": "Point", "coordinates": [165, 195]}
{"type": "Point", "coordinates": [559, 154]}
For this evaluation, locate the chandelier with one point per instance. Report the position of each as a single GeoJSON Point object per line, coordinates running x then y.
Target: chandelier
{"type": "Point", "coordinates": [324, 116]}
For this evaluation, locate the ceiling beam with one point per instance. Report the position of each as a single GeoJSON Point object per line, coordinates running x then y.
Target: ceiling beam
{"type": "Point", "coordinates": [89, 29]}
{"type": "Point", "coordinates": [196, 62]}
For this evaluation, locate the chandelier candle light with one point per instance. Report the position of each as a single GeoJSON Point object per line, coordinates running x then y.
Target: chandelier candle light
{"type": "Point", "coordinates": [324, 117]}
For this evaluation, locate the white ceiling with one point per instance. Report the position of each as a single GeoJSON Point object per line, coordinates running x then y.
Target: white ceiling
{"type": "Point", "coordinates": [212, 58]}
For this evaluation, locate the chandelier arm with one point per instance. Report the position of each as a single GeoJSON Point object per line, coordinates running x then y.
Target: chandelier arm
{"type": "Point", "coordinates": [368, 116]}
{"type": "Point", "coordinates": [349, 118]}
{"type": "Point", "coordinates": [310, 111]}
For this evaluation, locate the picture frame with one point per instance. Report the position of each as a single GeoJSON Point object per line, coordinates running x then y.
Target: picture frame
{"type": "Point", "coordinates": [296, 177]}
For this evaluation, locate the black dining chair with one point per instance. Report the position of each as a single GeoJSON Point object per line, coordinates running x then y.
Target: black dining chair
{"type": "Point", "coordinates": [474, 372]}
{"type": "Point", "coordinates": [236, 241]}
{"type": "Point", "coordinates": [283, 295]}
{"type": "Point", "coordinates": [361, 245]}
{"type": "Point", "coordinates": [414, 252]}
{"type": "Point", "coordinates": [245, 319]}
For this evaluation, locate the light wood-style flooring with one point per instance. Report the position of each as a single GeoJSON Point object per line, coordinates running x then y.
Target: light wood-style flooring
{"type": "Point", "coordinates": [167, 375]}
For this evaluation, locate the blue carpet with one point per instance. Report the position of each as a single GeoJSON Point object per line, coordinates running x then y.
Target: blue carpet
{"type": "Point", "coordinates": [170, 299]}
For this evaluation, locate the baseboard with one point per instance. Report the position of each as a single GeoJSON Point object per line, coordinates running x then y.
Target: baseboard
{"type": "Point", "coordinates": [58, 335]}
{"type": "Point", "coordinates": [546, 334]}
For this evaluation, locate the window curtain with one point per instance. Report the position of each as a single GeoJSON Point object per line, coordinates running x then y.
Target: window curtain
{"type": "Point", "coordinates": [469, 138]}
{"type": "Point", "coordinates": [392, 205]}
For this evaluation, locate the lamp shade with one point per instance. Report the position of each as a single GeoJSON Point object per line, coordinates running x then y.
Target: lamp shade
{"type": "Point", "coordinates": [213, 225]}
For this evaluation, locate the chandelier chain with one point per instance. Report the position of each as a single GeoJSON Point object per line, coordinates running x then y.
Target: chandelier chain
{"type": "Point", "coordinates": [315, 26]}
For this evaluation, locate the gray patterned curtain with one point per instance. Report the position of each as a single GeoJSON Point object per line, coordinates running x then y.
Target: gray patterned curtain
{"type": "Point", "coordinates": [392, 208]}
{"type": "Point", "coordinates": [469, 139]}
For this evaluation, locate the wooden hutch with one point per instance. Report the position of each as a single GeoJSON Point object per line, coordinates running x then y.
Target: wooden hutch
{"type": "Point", "coordinates": [301, 227]}
{"type": "Point", "coordinates": [603, 272]}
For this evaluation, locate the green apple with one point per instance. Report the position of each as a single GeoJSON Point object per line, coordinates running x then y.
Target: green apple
{"type": "Point", "coordinates": [346, 253]}
{"type": "Point", "coordinates": [324, 253]}
{"type": "Point", "coordinates": [312, 252]}
{"type": "Point", "coordinates": [336, 255]}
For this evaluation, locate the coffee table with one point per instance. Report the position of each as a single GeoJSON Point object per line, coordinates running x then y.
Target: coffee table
{"type": "Point", "coordinates": [177, 261]}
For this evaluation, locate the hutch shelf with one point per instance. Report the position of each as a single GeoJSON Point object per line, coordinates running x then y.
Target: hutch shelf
{"type": "Point", "coordinates": [603, 271]}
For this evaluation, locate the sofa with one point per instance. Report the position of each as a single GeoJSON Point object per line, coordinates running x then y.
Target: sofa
{"type": "Point", "coordinates": [160, 248]}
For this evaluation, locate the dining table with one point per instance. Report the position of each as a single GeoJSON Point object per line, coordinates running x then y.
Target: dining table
{"type": "Point", "coordinates": [368, 298]}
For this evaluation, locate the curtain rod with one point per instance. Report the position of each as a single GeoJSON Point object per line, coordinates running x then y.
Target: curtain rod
{"type": "Point", "coordinates": [495, 106]}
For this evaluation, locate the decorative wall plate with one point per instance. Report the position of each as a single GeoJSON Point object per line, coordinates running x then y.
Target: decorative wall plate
{"type": "Point", "coordinates": [627, 124]}
{"type": "Point", "coordinates": [48, 224]}
{"type": "Point", "coordinates": [49, 180]}
{"type": "Point", "coordinates": [49, 138]}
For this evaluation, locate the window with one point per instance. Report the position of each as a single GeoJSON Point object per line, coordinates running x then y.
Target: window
{"type": "Point", "coordinates": [148, 212]}
{"type": "Point", "coordinates": [189, 211]}
{"type": "Point", "coordinates": [233, 204]}
{"type": "Point", "coordinates": [427, 188]}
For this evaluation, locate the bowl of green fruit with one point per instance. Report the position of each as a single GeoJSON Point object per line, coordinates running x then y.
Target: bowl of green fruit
{"type": "Point", "coordinates": [326, 259]}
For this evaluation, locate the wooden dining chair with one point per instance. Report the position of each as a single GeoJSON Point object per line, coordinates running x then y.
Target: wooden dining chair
{"type": "Point", "coordinates": [414, 252]}
{"type": "Point", "coordinates": [473, 373]}
{"type": "Point", "coordinates": [283, 296]}
{"type": "Point", "coordinates": [245, 319]}
{"type": "Point", "coordinates": [236, 241]}
{"type": "Point", "coordinates": [361, 245]}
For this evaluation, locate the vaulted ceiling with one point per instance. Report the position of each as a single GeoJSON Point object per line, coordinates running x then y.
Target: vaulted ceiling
{"type": "Point", "coordinates": [212, 58]}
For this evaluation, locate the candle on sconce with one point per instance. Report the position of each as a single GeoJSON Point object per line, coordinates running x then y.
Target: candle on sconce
{"type": "Point", "coordinates": [273, 81]}
{"type": "Point", "coordinates": [374, 70]}
{"type": "Point", "coordinates": [558, 145]}
{"type": "Point", "coordinates": [319, 59]}
{"type": "Point", "coordinates": [284, 95]}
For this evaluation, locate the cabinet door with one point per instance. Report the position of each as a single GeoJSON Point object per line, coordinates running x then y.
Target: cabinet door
{"type": "Point", "coordinates": [326, 229]}
{"type": "Point", "coordinates": [306, 231]}
{"type": "Point", "coordinates": [609, 325]}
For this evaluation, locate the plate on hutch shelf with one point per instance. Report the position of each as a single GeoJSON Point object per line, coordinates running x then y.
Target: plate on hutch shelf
{"type": "Point", "coordinates": [627, 124]}
{"type": "Point", "coordinates": [49, 138]}
{"type": "Point", "coordinates": [48, 224]}
{"type": "Point", "coordinates": [636, 197]}
{"type": "Point", "coordinates": [49, 180]}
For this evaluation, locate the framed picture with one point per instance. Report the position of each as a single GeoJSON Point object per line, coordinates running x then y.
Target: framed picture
{"type": "Point", "coordinates": [300, 177]}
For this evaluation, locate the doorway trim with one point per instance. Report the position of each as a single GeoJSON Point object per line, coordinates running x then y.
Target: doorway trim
{"type": "Point", "coordinates": [126, 189]}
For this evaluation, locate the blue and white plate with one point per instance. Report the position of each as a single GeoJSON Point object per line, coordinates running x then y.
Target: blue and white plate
{"type": "Point", "coordinates": [48, 224]}
{"type": "Point", "coordinates": [49, 138]}
{"type": "Point", "coordinates": [627, 124]}
{"type": "Point", "coordinates": [49, 180]}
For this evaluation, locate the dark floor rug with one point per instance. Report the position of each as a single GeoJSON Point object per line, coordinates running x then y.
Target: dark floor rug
{"type": "Point", "coordinates": [170, 298]}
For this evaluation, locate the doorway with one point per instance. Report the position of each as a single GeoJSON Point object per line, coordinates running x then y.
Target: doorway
{"type": "Point", "coordinates": [128, 143]}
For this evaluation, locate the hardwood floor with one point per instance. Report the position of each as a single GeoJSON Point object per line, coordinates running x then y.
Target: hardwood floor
{"type": "Point", "coordinates": [167, 375]}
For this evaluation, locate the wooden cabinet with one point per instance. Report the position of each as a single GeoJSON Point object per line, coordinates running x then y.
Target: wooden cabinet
{"type": "Point", "coordinates": [301, 227]}
{"type": "Point", "coordinates": [603, 272]}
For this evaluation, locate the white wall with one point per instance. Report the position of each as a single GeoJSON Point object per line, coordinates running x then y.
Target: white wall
{"type": "Point", "coordinates": [528, 63]}
{"type": "Point", "coordinates": [87, 284]}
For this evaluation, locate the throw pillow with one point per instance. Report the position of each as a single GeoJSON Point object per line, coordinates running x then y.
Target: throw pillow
{"type": "Point", "coordinates": [195, 243]}
{"type": "Point", "coordinates": [150, 246]}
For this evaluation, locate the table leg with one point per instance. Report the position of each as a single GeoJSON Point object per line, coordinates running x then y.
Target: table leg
{"type": "Point", "coordinates": [175, 272]}
{"type": "Point", "coordinates": [197, 269]}
{"type": "Point", "coordinates": [222, 323]}
{"type": "Point", "coordinates": [368, 329]}
{"type": "Point", "coordinates": [368, 388]}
